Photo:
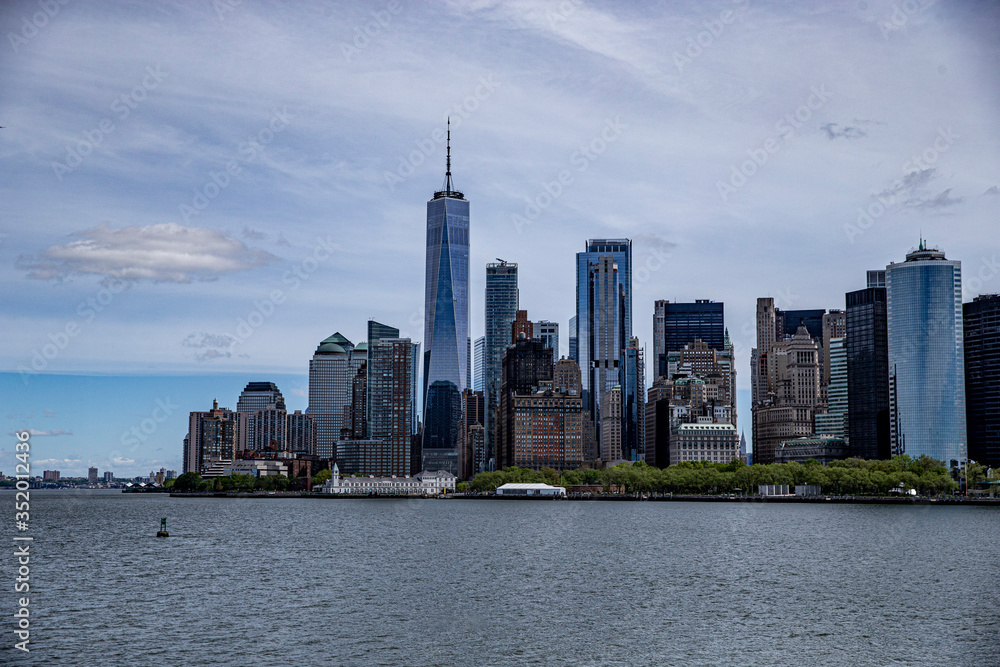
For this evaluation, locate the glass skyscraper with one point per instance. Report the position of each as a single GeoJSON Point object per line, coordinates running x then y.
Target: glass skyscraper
{"type": "Point", "coordinates": [446, 316]}
{"type": "Point", "coordinates": [479, 363]}
{"type": "Point", "coordinates": [332, 370]}
{"type": "Point", "coordinates": [926, 356]}
{"type": "Point", "coordinates": [868, 371]}
{"type": "Point", "coordinates": [501, 309]}
{"type": "Point", "coordinates": [677, 324]}
{"type": "Point", "coordinates": [589, 339]}
{"type": "Point", "coordinates": [982, 377]}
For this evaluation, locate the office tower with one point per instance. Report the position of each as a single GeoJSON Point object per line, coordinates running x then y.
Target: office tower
{"type": "Point", "coordinates": [982, 377]}
{"type": "Point", "coordinates": [525, 365]}
{"type": "Point", "coordinates": [357, 421]}
{"type": "Point", "coordinates": [867, 348]}
{"type": "Point", "coordinates": [378, 331]}
{"type": "Point", "coordinates": [300, 433]}
{"type": "Point", "coordinates": [268, 426]}
{"type": "Point", "coordinates": [611, 425]}
{"type": "Point", "coordinates": [92, 477]}
{"type": "Point", "coordinates": [792, 369]}
{"type": "Point", "coordinates": [479, 364]}
{"type": "Point", "coordinates": [834, 422]}
{"type": "Point", "coordinates": [677, 324]}
{"type": "Point", "coordinates": [716, 369]}
{"type": "Point", "coordinates": [566, 376]}
{"type": "Point", "coordinates": [257, 396]}
{"type": "Point", "coordinates": [603, 314]}
{"type": "Point", "coordinates": [926, 356]}
{"type": "Point", "coordinates": [332, 371]}
{"type": "Point", "coordinates": [633, 388]}
{"type": "Point", "coordinates": [501, 309]}
{"type": "Point", "coordinates": [789, 321]}
{"type": "Point", "coordinates": [574, 348]}
{"type": "Point", "coordinates": [109, 476]}
{"type": "Point", "coordinates": [391, 403]}
{"type": "Point", "coordinates": [471, 443]}
{"type": "Point", "coordinates": [834, 326]}
{"type": "Point", "coordinates": [548, 428]}
{"type": "Point", "coordinates": [548, 332]}
{"type": "Point", "coordinates": [521, 325]}
{"type": "Point", "coordinates": [657, 423]}
{"type": "Point", "coordinates": [446, 317]}
{"type": "Point", "coordinates": [605, 333]}
{"type": "Point", "coordinates": [215, 438]}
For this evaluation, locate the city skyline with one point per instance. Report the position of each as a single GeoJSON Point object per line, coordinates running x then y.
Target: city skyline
{"type": "Point", "coordinates": [843, 189]}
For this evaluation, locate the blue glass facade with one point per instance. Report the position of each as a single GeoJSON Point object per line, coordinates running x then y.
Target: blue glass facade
{"type": "Point", "coordinates": [621, 251]}
{"type": "Point", "coordinates": [926, 356]}
{"type": "Point", "coordinates": [501, 309]}
{"type": "Point", "coordinates": [446, 309]}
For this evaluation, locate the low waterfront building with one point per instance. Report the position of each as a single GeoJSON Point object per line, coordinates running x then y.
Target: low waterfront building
{"type": "Point", "coordinates": [530, 489]}
{"type": "Point", "coordinates": [426, 483]}
{"type": "Point", "coordinates": [803, 449]}
{"type": "Point", "coordinates": [254, 467]}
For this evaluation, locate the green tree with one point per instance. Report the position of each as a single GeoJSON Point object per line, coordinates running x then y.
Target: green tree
{"type": "Point", "coordinates": [322, 477]}
{"type": "Point", "coordinates": [461, 487]}
{"type": "Point", "coordinates": [189, 481]}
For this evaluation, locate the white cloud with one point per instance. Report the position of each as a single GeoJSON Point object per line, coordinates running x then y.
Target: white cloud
{"type": "Point", "coordinates": [33, 432]}
{"type": "Point", "coordinates": [160, 253]}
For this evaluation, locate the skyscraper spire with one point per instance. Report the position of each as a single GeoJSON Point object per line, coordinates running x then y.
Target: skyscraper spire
{"type": "Point", "coordinates": [447, 173]}
{"type": "Point", "coordinates": [449, 188]}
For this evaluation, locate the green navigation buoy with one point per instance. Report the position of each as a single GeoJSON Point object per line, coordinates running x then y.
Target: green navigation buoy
{"type": "Point", "coordinates": [163, 528]}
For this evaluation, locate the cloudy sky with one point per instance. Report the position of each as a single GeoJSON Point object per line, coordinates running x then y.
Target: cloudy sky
{"type": "Point", "coordinates": [195, 194]}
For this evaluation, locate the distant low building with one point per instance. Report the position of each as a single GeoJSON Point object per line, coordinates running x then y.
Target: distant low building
{"type": "Point", "coordinates": [803, 449]}
{"type": "Point", "coordinates": [255, 467]}
{"type": "Point", "coordinates": [530, 489]}
{"type": "Point", "coordinates": [426, 483]}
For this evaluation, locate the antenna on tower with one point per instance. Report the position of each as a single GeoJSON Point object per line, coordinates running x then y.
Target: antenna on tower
{"type": "Point", "coordinates": [447, 173]}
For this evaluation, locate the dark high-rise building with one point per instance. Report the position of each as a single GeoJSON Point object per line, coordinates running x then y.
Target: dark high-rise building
{"type": "Point", "coordinates": [574, 348]}
{"type": "Point", "coordinates": [378, 331]}
{"type": "Point", "coordinates": [501, 309]}
{"type": "Point", "coordinates": [788, 322]}
{"type": "Point", "coordinates": [258, 396]}
{"type": "Point", "coordinates": [677, 324]}
{"type": "Point", "coordinates": [391, 402]}
{"type": "Point", "coordinates": [471, 447]}
{"type": "Point", "coordinates": [447, 345]}
{"type": "Point", "coordinates": [982, 377]}
{"type": "Point", "coordinates": [867, 374]}
{"type": "Point", "coordinates": [526, 363]}
{"type": "Point", "coordinates": [633, 373]}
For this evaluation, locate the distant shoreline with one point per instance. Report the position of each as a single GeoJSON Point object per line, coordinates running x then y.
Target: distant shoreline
{"type": "Point", "coordinates": [815, 500]}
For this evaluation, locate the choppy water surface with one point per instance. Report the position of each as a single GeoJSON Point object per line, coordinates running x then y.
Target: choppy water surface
{"type": "Point", "coordinates": [407, 582]}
